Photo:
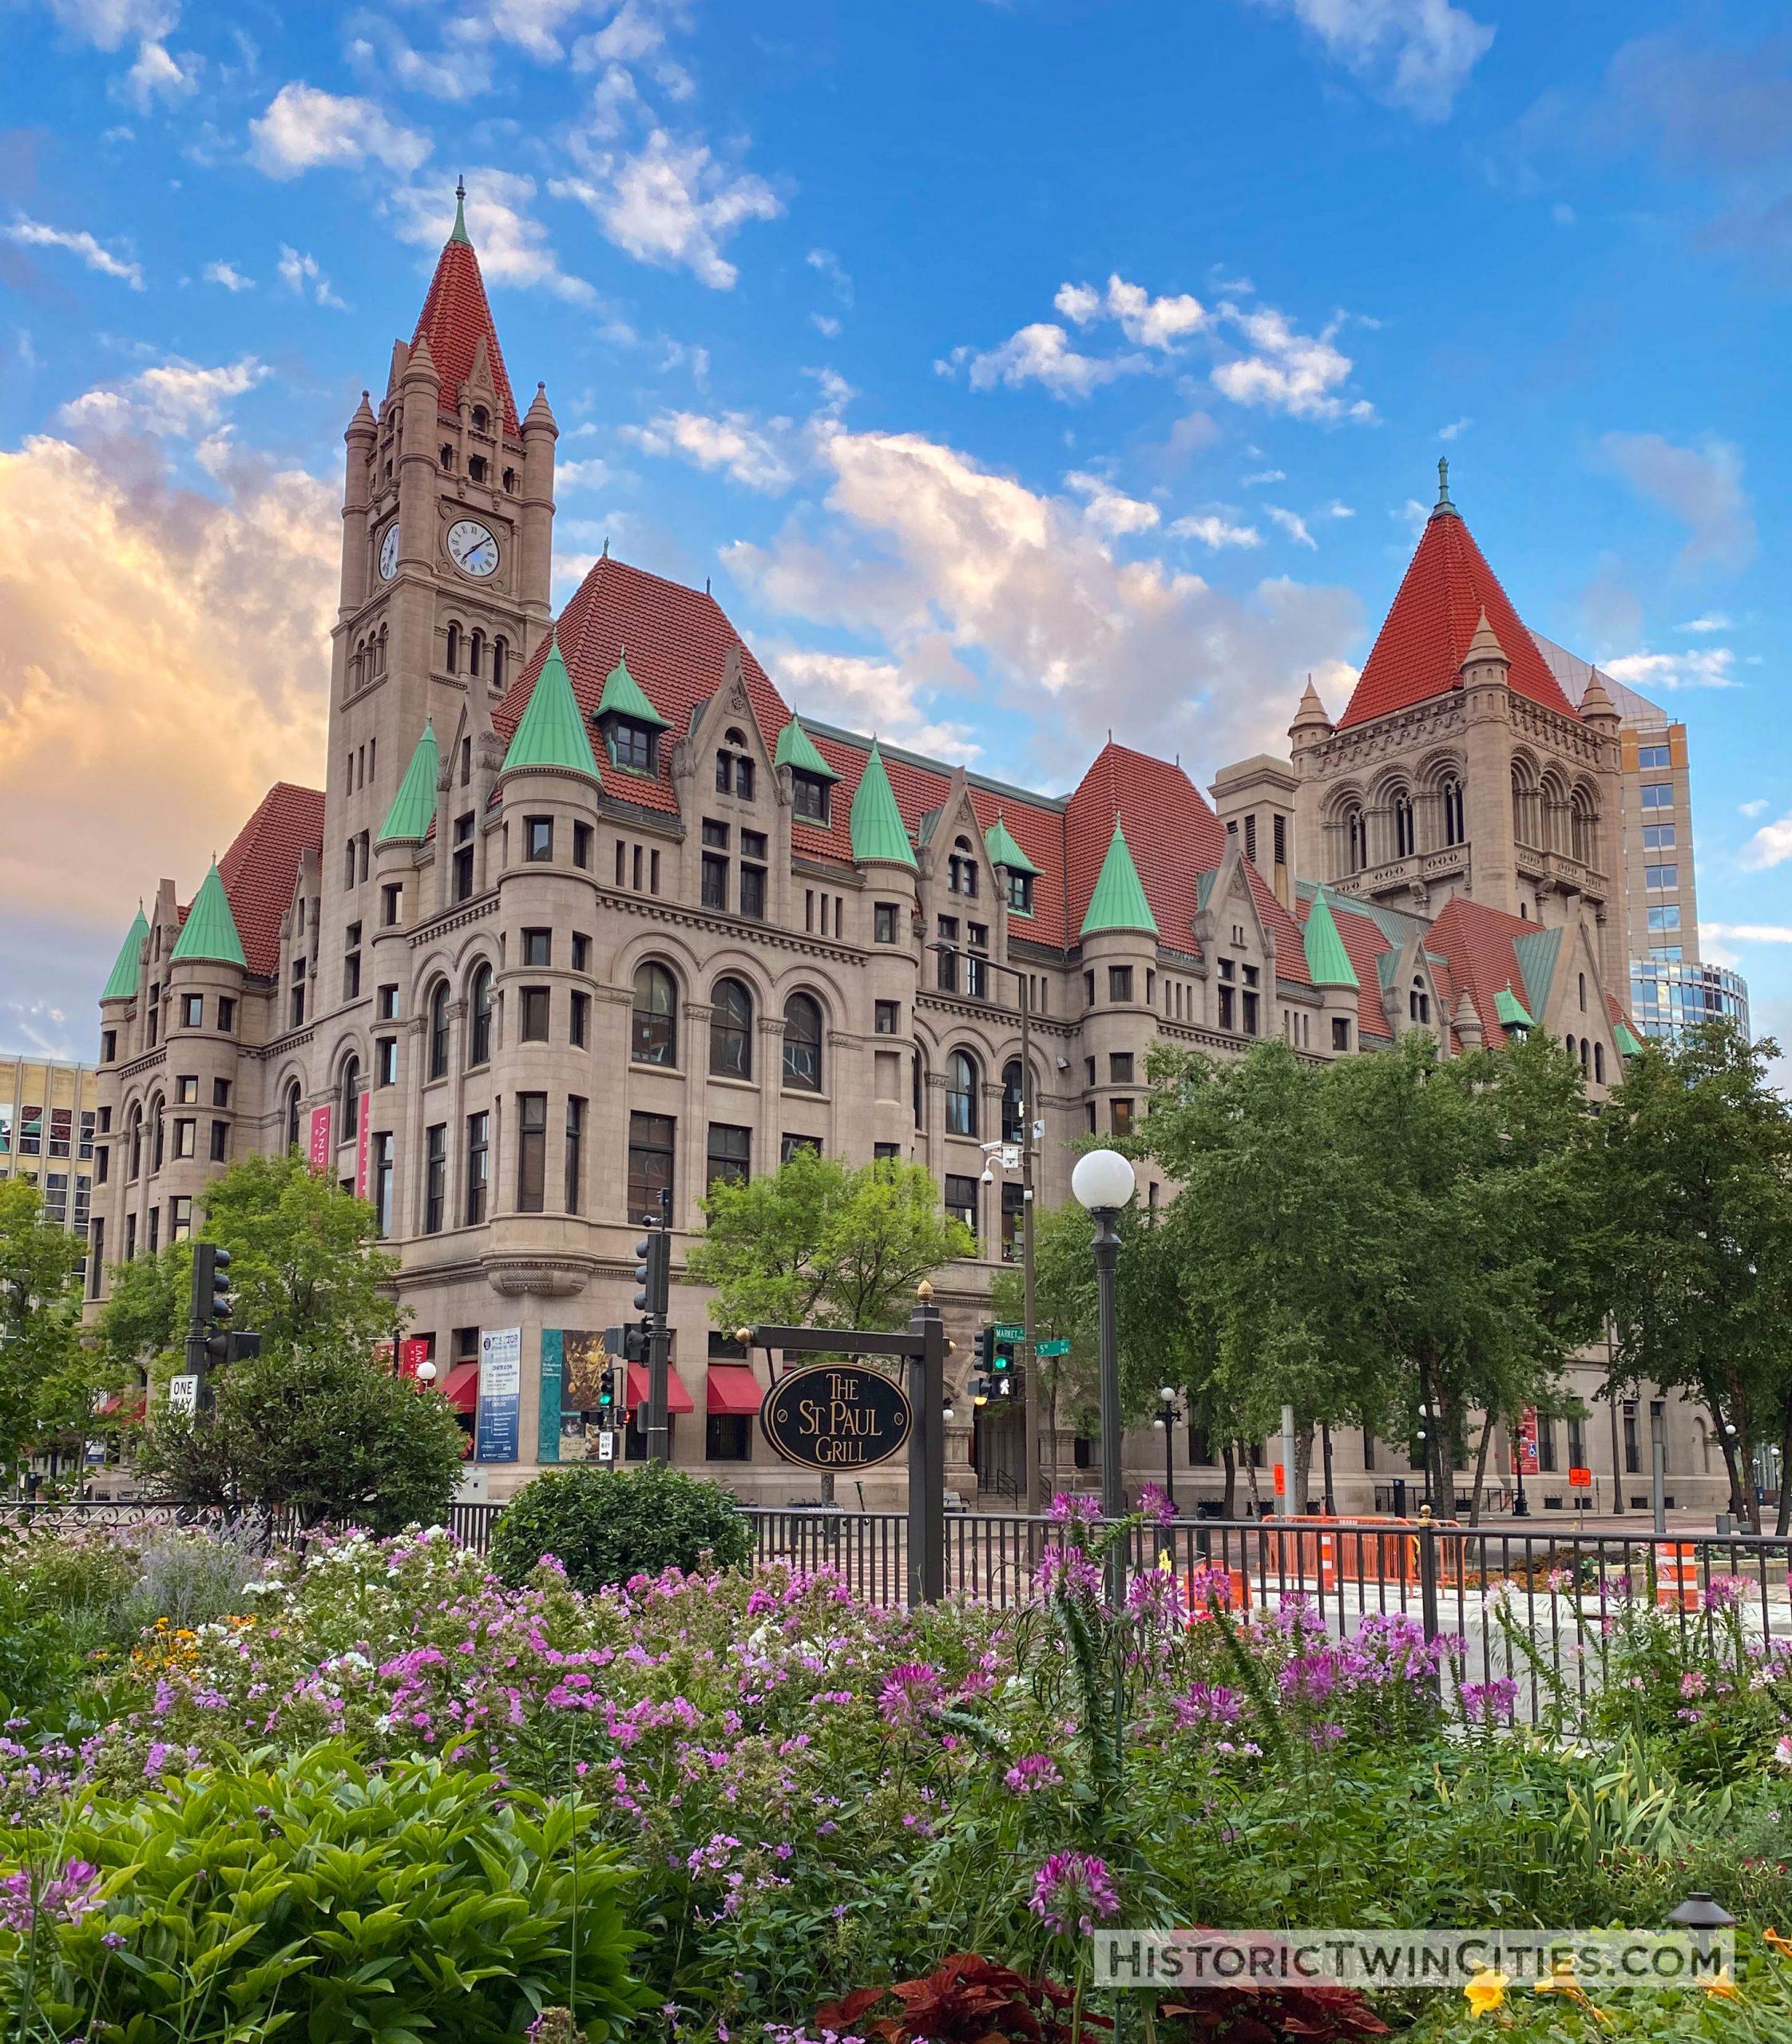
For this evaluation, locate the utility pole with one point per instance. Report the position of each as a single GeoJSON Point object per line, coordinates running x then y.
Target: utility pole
{"type": "Point", "coordinates": [1032, 1391]}
{"type": "Point", "coordinates": [653, 1302]}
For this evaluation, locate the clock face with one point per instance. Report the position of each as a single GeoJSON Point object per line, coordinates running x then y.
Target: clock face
{"type": "Point", "coordinates": [388, 553]}
{"type": "Point", "coordinates": [471, 548]}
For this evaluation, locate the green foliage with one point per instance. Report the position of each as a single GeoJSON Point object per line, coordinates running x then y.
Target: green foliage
{"type": "Point", "coordinates": [1693, 1172]}
{"type": "Point", "coordinates": [319, 1900]}
{"type": "Point", "coordinates": [818, 1243]}
{"type": "Point", "coordinates": [40, 1314]}
{"type": "Point", "coordinates": [604, 1526]}
{"type": "Point", "coordinates": [330, 1435]}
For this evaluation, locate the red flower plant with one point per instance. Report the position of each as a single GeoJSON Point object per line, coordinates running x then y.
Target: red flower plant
{"type": "Point", "coordinates": [969, 2000]}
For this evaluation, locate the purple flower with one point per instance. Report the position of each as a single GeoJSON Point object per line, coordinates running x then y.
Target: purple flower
{"type": "Point", "coordinates": [1207, 1703]}
{"type": "Point", "coordinates": [1034, 1771]}
{"type": "Point", "coordinates": [909, 1693]}
{"type": "Point", "coordinates": [1074, 1510]}
{"type": "Point", "coordinates": [1491, 1703]}
{"type": "Point", "coordinates": [1154, 1503]}
{"type": "Point", "coordinates": [1073, 1887]}
{"type": "Point", "coordinates": [1723, 1591]}
{"type": "Point", "coordinates": [1069, 1572]}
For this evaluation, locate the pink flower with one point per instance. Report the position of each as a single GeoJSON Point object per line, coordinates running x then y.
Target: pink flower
{"type": "Point", "coordinates": [1073, 1887]}
{"type": "Point", "coordinates": [909, 1693]}
{"type": "Point", "coordinates": [1035, 1771]}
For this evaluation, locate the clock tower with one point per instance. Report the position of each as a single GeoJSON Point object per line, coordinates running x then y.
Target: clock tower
{"type": "Point", "coordinates": [447, 553]}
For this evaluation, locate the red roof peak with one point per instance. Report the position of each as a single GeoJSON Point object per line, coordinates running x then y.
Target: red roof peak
{"type": "Point", "coordinates": [259, 869]}
{"type": "Point", "coordinates": [1447, 591]}
{"type": "Point", "coordinates": [455, 318]}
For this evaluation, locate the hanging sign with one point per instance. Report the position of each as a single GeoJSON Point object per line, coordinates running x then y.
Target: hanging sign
{"type": "Point", "coordinates": [320, 1140]}
{"type": "Point", "coordinates": [1525, 1449]}
{"type": "Point", "coordinates": [500, 1393]}
{"type": "Point", "coordinates": [838, 1416]}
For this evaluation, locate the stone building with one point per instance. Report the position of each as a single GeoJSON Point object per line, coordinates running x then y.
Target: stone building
{"type": "Point", "coordinates": [585, 916]}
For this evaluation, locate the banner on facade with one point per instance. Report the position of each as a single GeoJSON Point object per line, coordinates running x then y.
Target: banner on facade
{"type": "Point", "coordinates": [1525, 1448]}
{"type": "Point", "coordinates": [363, 1144]}
{"type": "Point", "coordinates": [573, 1365]}
{"type": "Point", "coordinates": [500, 1394]}
{"type": "Point", "coordinates": [320, 1140]}
{"type": "Point", "coordinates": [549, 1424]}
{"type": "Point", "coordinates": [413, 1351]}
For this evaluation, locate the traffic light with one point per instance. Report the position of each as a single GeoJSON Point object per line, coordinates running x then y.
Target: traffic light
{"type": "Point", "coordinates": [210, 1337]}
{"type": "Point", "coordinates": [653, 1273]}
{"type": "Point", "coordinates": [984, 1347]}
{"type": "Point", "coordinates": [1002, 1373]}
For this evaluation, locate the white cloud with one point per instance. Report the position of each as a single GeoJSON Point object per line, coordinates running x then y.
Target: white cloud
{"type": "Point", "coordinates": [513, 245]}
{"type": "Point", "coordinates": [175, 398]}
{"type": "Point", "coordinates": [304, 129]}
{"type": "Point", "coordinates": [304, 275]}
{"type": "Point", "coordinates": [828, 263]}
{"type": "Point", "coordinates": [1265, 476]}
{"type": "Point", "coordinates": [1290, 522]}
{"type": "Point", "coordinates": [1719, 939]}
{"type": "Point", "coordinates": [825, 324]}
{"type": "Point", "coordinates": [1713, 620]}
{"type": "Point", "coordinates": [1412, 514]}
{"type": "Point", "coordinates": [1215, 532]}
{"type": "Point", "coordinates": [228, 275]}
{"type": "Point", "coordinates": [1455, 430]}
{"type": "Point", "coordinates": [1416, 55]}
{"type": "Point", "coordinates": [35, 233]}
{"type": "Point", "coordinates": [1701, 486]}
{"type": "Point", "coordinates": [1757, 807]}
{"type": "Point", "coordinates": [1702, 667]}
{"type": "Point", "coordinates": [1771, 845]}
{"type": "Point", "coordinates": [1288, 371]}
{"type": "Point", "coordinates": [734, 443]}
{"type": "Point", "coordinates": [110, 24]}
{"type": "Point", "coordinates": [970, 579]}
{"type": "Point", "coordinates": [1146, 321]}
{"type": "Point", "coordinates": [1107, 511]}
{"type": "Point", "coordinates": [1042, 354]}
{"type": "Point", "coordinates": [669, 203]}
{"type": "Point", "coordinates": [868, 695]}
{"type": "Point", "coordinates": [155, 76]}
{"type": "Point", "coordinates": [1337, 508]}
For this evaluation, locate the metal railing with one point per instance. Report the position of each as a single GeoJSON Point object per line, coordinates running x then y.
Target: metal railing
{"type": "Point", "coordinates": [471, 1524]}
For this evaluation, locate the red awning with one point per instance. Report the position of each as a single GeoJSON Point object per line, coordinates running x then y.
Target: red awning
{"type": "Point", "coordinates": [678, 1399]}
{"type": "Point", "coordinates": [734, 1389]}
{"type": "Point", "coordinates": [462, 1390]}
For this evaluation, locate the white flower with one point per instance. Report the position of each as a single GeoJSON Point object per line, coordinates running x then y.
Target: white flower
{"type": "Point", "coordinates": [1782, 1751]}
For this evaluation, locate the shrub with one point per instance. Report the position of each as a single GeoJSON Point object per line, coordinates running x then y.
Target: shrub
{"type": "Point", "coordinates": [344, 1903]}
{"type": "Point", "coordinates": [604, 1526]}
{"type": "Point", "coordinates": [190, 1579]}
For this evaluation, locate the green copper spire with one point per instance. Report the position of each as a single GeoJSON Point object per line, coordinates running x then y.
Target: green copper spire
{"type": "Point", "coordinates": [1328, 963]}
{"type": "Point", "coordinates": [210, 929]}
{"type": "Point", "coordinates": [460, 232]}
{"type": "Point", "coordinates": [623, 695]}
{"type": "Point", "coordinates": [122, 985]}
{"type": "Point", "coordinates": [998, 842]}
{"type": "Point", "coordinates": [1627, 1044]}
{"type": "Point", "coordinates": [551, 732]}
{"type": "Point", "coordinates": [879, 831]}
{"type": "Point", "coordinates": [1119, 900]}
{"type": "Point", "coordinates": [1510, 1012]}
{"type": "Point", "coordinates": [413, 810]}
{"type": "Point", "coordinates": [797, 749]}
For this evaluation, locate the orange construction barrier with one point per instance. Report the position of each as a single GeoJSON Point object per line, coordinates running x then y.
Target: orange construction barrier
{"type": "Point", "coordinates": [1677, 1575]}
{"type": "Point", "coordinates": [1335, 1553]}
{"type": "Point", "coordinates": [1200, 1585]}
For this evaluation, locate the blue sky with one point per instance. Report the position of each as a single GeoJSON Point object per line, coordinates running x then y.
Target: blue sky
{"type": "Point", "coordinates": [1018, 372]}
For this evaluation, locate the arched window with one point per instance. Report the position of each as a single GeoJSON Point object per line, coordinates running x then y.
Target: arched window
{"type": "Point", "coordinates": [292, 1116]}
{"type": "Point", "coordinates": [475, 651]}
{"type": "Point", "coordinates": [453, 649]}
{"type": "Point", "coordinates": [351, 1101]}
{"type": "Point", "coordinates": [438, 1031]}
{"type": "Point", "coordinates": [1405, 837]}
{"type": "Point", "coordinates": [137, 1143]}
{"type": "Point", "coordinates": [1599, 1064]}
{"type": "Point", "coordinates": [960, 869]}
{"type": "Point", "coordinates": [803, 1043]}
{"type": "Point", "coordinates": [961, 1093]}
{"type": "Point", "coordinates": [379, 651]}
{"type": "Point", "coordinates": [447, 459]}
{"type": "Point", "coordinates": [482, 419]}
{"type": "Point", "coordinates": [158, 1129]}
{"type": "Point", "coordinates": [479, 1035]}
{"type": "Point", "coordinates": [1418, 1003]}
{"type": "Point", "coordinates": [1583, 976]}
{"type": "Point", "coordinates": [920, 1070]}
{"type": "Point", "coordinates": [1526, 823]}
{"type": "Point", "coordinates": [509, 479]}
{"type": "Point", "coordinates": [1013, 1105]}
{"type": "Point", "coordinates": [730, 1030]}
{"type": "Point", "coordinates": [1586, 1060]}
{"type": "Point", "coordinates": [501, 657]}
{"type": "Point", "coordinates": [1569, 1043]}
{"type": "Point", "coordinates": [1356, 851]}
{"type": "Point", "coordinates": [1583, 828]}
{"type": "Point", "coordinates": [1455, 821]}
{"type": "Point", "coordinates": [655, 1038]}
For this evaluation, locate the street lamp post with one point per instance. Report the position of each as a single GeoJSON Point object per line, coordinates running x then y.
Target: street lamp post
{"type": "Point", "coordinates": [1102, 1182]}
{"type": "Point", "coordinates": [1032, 1405]}
{"type": "Point", "coordinates": [1169, 1420]}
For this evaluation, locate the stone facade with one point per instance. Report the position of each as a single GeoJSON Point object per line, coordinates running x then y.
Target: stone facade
{"type": "Point", "coordinates": [583, 912]}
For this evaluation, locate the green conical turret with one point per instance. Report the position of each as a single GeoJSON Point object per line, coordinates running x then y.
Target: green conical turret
{"type": "Point", "coordinates": [210, 929]}
{"type": "Point", "coordinates": [879, 831]}
{"type": "Point", "coordinates": [551, 732]}
{"type": "Point", "coordinates": [1119, 900]}
{"type": "Point", "coordinates": [413, 810]}
{"type": "Point", "coordinates": [122, 985]}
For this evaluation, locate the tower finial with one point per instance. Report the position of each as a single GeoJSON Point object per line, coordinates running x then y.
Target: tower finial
{"type": "Point", "coordinates": [460, 233]}
{"type": "Point", "coordinates": [1443, 508]}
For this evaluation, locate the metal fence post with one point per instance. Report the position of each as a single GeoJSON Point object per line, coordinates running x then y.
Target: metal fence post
{"type": "Point", "coordinates": [1428, 1578]}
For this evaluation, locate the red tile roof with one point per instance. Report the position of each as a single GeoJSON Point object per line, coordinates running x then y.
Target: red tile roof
{"type": "Point", "coordinates": [1419, 651]}
{"type": "Point", "coordinates": [260, 867]}
{"type": "Point", "coordinates": [1477, 941]}
{"type": "Point", "coordinates": [455, 316]}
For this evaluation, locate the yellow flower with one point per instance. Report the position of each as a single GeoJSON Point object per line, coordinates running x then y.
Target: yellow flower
{"type": "Point", "coordinates": [1486, 1992]}
{"type": "Point", "coordinates": [1723, 1987]}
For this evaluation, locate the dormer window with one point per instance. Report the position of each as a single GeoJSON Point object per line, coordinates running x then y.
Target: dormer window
{"type": "Point", "coordinates": [1020, 893]}
{"type": "Point", "coordinates": [629, 723]}
{"type": "Point", "coordinates": [1418, 1003]}
{"type": "Point", "coordinates": [809, 798]}
{"type": "Point", "coordinates": [476, 468]}
{"type": "Point", "coordinates": [482, 419]}
{"type": "Point", "coordinates": [961, 871]}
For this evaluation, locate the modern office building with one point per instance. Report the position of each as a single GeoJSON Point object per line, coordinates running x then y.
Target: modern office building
{"type": "Point", "coordinates": [48, 1112]}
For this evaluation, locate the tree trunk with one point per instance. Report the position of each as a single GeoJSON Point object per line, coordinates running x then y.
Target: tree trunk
{"type": "Point", "coordinates": [1481, 1469]}
{"type": "Point", "coordinates": [1300, 1480]}
{"type": "Point", "coordinates": [1739, 1509]}
{"type": "Point", "coordinates": [1784, 1517]}
{"type": "Point", "coordinates": [1230, 1462]}
{"type": "Point", "coordinates": [1250, 1479]}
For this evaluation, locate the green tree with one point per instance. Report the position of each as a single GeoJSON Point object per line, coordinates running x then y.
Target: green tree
{"type": "Point", "coordinates": [40, 1318]}
{"type": "Point", "coordinates": [1693, 1175]}
{"type": "Point", "coordinates": [821, 1244]}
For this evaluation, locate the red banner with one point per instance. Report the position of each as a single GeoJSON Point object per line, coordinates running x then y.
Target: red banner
{"type": "Point", "coordinates": [412, 1352]}
{"type": "Point", "coordinates": [320, 1140]}
{"type": "Point", "coordinates": [1525, 1448]}
{"type": "Point", "coordinates": [361, 1149]}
